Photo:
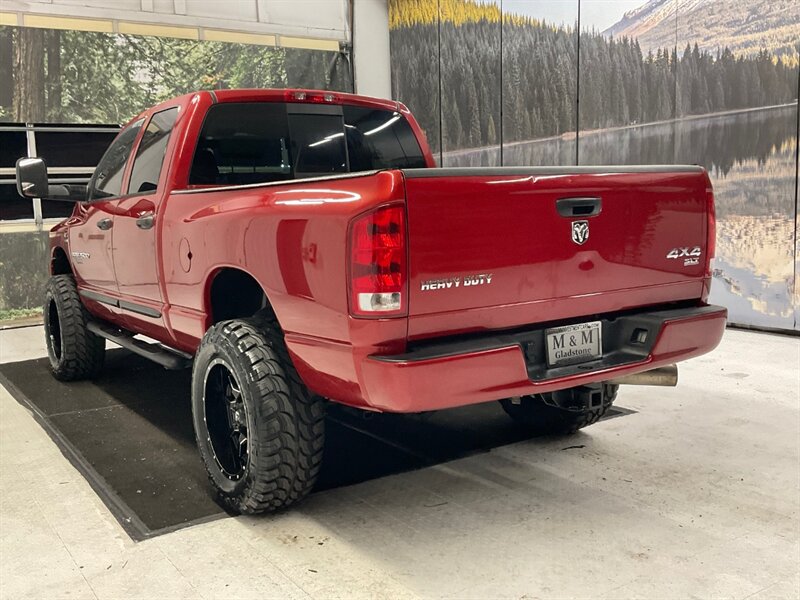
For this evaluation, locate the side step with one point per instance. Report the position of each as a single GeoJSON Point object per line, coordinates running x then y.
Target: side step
{"type": "Point", "coordinates": [169, 359]}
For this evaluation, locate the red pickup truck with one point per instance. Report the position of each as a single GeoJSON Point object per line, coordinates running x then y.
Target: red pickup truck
{"type": "Point", "coordinates": [292, 246]}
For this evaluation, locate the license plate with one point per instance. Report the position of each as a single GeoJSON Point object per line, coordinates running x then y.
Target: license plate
{"type": "Point", "coordinates": [573, 344]}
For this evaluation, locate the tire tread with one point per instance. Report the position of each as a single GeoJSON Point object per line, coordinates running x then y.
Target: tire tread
{"type": "Point", "coordinates": [82, 352]}
{"type": "Point", "coordinates": [290, 419]}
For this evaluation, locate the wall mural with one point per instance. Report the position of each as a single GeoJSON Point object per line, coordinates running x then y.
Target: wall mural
{"type": "Point", "coordinates": [87, 77]}
{"type": "Point", "coordinates": [711, 82]}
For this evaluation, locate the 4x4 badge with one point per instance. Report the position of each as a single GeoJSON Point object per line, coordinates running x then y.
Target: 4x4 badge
{"type": "Point", "coordinates": [580, 232]}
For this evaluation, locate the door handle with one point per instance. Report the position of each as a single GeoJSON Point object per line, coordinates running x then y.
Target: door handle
{"type": "Point", "coordinates": [145, 221]}
{"type": "Point", "coordinates": [578, 207]}
{"type": "Point", "coordinates": [105, 224]}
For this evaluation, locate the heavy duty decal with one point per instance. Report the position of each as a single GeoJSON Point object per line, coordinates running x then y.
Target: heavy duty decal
{"type": "Point", "coordinates": [454, 282]}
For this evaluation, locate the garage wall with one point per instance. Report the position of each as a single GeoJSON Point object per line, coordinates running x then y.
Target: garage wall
{"type": "Point", "coordinates": [321, 19]}
{"type": "Point", "coordinates": [710, 82]}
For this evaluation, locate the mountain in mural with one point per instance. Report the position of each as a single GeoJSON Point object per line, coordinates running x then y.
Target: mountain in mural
{"type": "Point", "coordinates": [744, 26]}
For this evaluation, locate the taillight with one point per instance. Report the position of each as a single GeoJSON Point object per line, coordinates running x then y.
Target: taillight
{"type": "Point", "coordinates": [711, 242]}
{"type": "Point", "coordinates": [378, 265]}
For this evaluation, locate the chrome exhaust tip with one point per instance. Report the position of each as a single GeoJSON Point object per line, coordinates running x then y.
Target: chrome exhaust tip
{"type": "Point", "coordinates": [664, 376]}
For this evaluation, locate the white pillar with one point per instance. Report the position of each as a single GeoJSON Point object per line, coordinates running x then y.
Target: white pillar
{"type": "Point", "coordinates": [371, 60]}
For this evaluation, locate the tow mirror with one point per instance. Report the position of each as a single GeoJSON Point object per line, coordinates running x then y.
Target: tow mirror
{"type": "Point", "coordinates": [32, 183]}
{"type": "Point", "coordinates": [32, 178]}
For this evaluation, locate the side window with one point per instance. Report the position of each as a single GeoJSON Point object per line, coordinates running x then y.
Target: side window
{"type": "Point", "coordinates": [107, 179]}
{"type": "Point", "coordinates": [380, 139]}
{"type": "Point", "coordinates": [242, 143]}
{"type": "Point", "coordinates": [149, 158]}
{"type": "Point", "coordinates": [318, 146]}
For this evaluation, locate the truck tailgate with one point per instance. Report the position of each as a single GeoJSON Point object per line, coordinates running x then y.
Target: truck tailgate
{"type": "Point", "coordinates": [500, 248]}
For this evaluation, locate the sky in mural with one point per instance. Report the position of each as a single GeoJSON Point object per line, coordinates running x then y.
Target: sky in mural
{"type": "Point", "coordinates": [595, 14]}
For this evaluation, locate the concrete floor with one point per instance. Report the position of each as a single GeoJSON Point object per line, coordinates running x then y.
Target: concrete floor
{"type": "Point", "coordinates": [695, 495]}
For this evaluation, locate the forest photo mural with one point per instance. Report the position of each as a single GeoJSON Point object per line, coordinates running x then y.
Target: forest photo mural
{"type": "Point", "coordinates": [88, 77]}
{"type": "Point", "coordinates": [548, 82]}
{"type": "Point", "coordinates": [55, 76]}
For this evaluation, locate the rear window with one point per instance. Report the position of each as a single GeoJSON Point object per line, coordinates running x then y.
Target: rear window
{"type": "Point", "coordinates": [380, 139]}
{"type": "Point", "coordinates": [242, 143]}
{"type": "Point", "coordinates": [318, 146]}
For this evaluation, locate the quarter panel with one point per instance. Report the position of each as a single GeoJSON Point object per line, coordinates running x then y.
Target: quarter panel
{"type": "Point", "coordinates": [291, 238]}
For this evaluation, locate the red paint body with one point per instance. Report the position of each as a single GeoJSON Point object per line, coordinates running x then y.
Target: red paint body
{"type": "Point", "coordinates": [292, 238]}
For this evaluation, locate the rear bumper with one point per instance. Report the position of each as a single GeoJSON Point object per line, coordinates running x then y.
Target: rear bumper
{"type": "Point", "coordinates": [482, 369]}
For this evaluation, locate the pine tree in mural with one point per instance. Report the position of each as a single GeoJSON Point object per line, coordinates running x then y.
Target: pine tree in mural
{"type": "Point", "coordinates": [28, 100]}
{"type": "Point", "coordinates": [619, 85]}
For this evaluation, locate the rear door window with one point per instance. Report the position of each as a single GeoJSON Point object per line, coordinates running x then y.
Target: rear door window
{"type": "Point", "coordinates": [151, 152]}
{"type": "Point", "coordinates": [241, 144]}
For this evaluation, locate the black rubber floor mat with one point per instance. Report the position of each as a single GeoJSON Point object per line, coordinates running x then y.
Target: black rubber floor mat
{"type": "Point", "coordinates": [130, 434]}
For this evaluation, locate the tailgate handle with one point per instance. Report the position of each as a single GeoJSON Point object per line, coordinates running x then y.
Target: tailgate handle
{"type": "Point", "coordinates": [578, 207]}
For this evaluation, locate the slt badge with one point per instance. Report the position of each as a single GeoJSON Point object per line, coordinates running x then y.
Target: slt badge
{"type": "Point", "coordinates": [580, 232]}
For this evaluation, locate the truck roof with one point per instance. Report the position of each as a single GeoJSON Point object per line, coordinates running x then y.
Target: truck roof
{"type": "Point", "coordinates": [300, 95]}
{"type": "Point", "coordinates": [303, 95]}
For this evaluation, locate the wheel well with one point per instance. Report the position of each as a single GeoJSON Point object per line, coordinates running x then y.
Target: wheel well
{"type": "Point", "coordinates": [235, 294]}
{"type": "Point", "coordinates": [59, 265]}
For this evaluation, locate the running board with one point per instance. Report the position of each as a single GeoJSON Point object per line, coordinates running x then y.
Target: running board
{"type": "Point", "coordinates": [169, 359]}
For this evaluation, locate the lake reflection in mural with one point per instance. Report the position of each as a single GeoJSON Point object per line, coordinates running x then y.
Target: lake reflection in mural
{"type": "Point", "coordinates": [753, 169]}
{"type": "Point", "coordinates": [750, 157]}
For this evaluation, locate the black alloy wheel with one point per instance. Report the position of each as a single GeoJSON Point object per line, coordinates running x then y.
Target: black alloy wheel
{"type": "Point", "coordinates": [53, 328]}
{"type": "Point", "coordinates": [226, 419]}
{"type": "Point", "coordinates": [259, 430]}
